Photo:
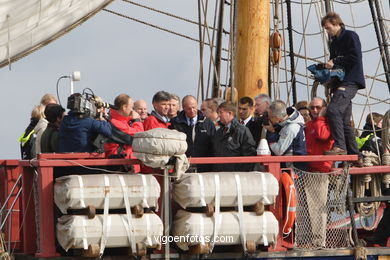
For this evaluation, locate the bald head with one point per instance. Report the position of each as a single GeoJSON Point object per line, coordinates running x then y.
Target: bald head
{"type": "Point", "coordinates": [141, 108]}
{"type": "Point", "coordinates": [317, 107]}
{"type": "Point", "coordinates": [190, 106]}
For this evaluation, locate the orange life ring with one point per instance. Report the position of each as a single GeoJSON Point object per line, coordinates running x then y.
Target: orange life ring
{"type": "Point", "coordinates": [291, 199]}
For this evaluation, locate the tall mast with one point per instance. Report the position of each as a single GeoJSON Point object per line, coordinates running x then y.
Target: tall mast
{"type": "Point", "coordinates": [251, 54]}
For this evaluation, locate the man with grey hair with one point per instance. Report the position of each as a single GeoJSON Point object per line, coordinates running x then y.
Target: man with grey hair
{"type": "Point", "coordinates": [174, 106]}
{"type": "Point", "coordinates": [199, 130]}
{"type": "Point", "coordinates": [286, 134]}
{"type": "Point", "coordinates": [262, 102]}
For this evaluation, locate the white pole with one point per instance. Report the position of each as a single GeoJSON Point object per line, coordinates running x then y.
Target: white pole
{"type": "Point", "coordinates": [71, 85]}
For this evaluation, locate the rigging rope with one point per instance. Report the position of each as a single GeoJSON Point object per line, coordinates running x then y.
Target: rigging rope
{"type": "Point", "coordinates": [157, 27]}
{"type": "Point", "coordinates": [165, 13]}
{"type": "Point", "coordinates": [212, 42]}
{"type": "Point", "coordinates": [367, 184]}
{"type": "Point", "coordinates": [209, 39]}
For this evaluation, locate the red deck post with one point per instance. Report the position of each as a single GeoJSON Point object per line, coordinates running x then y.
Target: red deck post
{"type": "Point", "coordinates": [46, 213]}
{"type": "Point", "coordinates": [277, 209]}
{"type": "Point", "coordinates": [10, 172]}
{"type": "Point", "coordinates": [28, 210]}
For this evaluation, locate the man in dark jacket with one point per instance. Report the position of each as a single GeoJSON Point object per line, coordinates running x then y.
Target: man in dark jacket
{"type": "Point", "coordinates": [199, 130]}
{"type": "Point", "coordinates": [345, 52]}
{"type": "Point", "coordinates": [49, 141]}
{"type": "Point", "coordinates": [245, 113]}
{"type": "Point", "coordinates": [232, 139]}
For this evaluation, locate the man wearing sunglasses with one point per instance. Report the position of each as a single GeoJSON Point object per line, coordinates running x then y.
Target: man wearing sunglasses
{"type": "Point", "coordinates": [318, 140]}
{"type": "Point", "coordinates": [318, 136]}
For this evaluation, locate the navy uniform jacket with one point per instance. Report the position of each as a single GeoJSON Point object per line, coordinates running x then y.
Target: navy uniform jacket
{"type": "Point", "coordinates": [238, 141]}
{"type": "Point", "coordinates": [76, 134]}
{"type": "Point", "coordinates": [200, 146]}
{"type": "Point", "coordinates": [346, 51]}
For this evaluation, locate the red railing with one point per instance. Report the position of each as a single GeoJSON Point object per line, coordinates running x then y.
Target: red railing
{"type": "Point", "coordinates": [45, 164]}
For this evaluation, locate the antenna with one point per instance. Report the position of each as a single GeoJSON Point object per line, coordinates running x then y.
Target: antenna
{"type": "Point", "coordinates": [76, 76]}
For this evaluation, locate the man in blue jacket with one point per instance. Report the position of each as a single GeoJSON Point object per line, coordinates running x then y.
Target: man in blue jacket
{"type": "Point", "coordinates": [345, 52]}
{"type": "Point", "coordinates": [77, 132]}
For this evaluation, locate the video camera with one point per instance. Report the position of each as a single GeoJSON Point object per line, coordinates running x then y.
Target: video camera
{"type": "Point", "coordinates": [86, 104]}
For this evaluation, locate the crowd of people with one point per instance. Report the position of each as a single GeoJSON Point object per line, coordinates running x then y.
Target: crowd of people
{"type": "Point", "coordinates": [215, 128]}
{"type": "Point", "coordinates": [222, 128]}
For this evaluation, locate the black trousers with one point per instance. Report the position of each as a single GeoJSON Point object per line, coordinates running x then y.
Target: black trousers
{"type": "Point", "coordinates": [339, 114]}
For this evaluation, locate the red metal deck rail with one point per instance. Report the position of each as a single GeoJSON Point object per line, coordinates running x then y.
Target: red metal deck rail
{"type": "Point", "coordinates": [46, 163]}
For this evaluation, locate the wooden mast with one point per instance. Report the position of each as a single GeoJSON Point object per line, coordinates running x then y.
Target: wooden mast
{"type": "Point", "coordinates": [251, 54]}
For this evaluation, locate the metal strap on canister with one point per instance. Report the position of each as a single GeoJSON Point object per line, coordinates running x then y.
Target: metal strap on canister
{"type": "Point", "coordinates": [217, 215]}
{"type": "Point", "coordinates": [201, 190]}
{"type": "Point", "coordinates": [105, 229]}
{"type": "Point", "coordinates": [81, 185]}
{"type": "Point", "coordinates": [130, 233]}
{"type": "Point", "coordinates": [85, 238]}
{"type": "Point", "coordinates": [241, 212]}
{"type": "Point", "coordinates": [264, 188]}
{"type": "Point", "coordinates": [146, 191]}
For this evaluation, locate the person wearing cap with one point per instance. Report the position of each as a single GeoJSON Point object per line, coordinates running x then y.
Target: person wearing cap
{"type": "Point", "coordinates": [49, 140]}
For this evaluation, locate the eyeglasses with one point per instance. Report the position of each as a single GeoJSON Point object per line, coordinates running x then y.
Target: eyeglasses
{"type": "Point", "coordinates": [315, 107]}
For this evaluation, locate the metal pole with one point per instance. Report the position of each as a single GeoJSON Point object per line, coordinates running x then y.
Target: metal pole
{"type": "Point", "coordinates": [200, 49]}
{"type": "Point", "coordinates": [167, 209]}
{"type": "Point", "coordinates": [218, 51]}
{"type": "Point", "coordinates": [10, 194]}
{"type": "Point", "coordinates": [384, 43]}
{"type": "Point", "coordinates": [328, 7]}
{"type": "Point", "coordinates": [12, 206]}
{"type": "Point", "coordinates": [380, 43]}
{"type": "Point", "coordinates": [291, 47]}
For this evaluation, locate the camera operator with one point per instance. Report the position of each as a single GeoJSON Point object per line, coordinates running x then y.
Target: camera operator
{"type": "Point", "coordinates": [79, 128]}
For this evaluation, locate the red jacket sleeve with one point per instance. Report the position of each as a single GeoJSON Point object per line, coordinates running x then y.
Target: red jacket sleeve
{"type": "Point", "coordinates": [126, 128]}
{"type": "Point", "coordinates": [321, 128]}
{"type": "Point", "coordinates": [149, 123]}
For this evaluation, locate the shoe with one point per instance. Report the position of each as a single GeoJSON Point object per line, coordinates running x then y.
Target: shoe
{"type": "Point", "coordinates": [336, 151]}
{"type": "Point", "coordinates": [373, 240]}
{"type": "Point", "coordinates": [358, 163]}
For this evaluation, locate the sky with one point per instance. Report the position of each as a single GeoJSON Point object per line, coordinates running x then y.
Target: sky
{"type": "Point", "coordinates": [114, 56]}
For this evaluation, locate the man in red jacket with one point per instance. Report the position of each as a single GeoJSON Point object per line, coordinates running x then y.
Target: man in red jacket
{"type": "Point", "coordinates": [159, 116]}
{"type": "Point", "coordinates": [318, 135]}
{"type": "Point", "coordinates": [318, 140]}
{"type": "Point", "coordinates": [126, 122]}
